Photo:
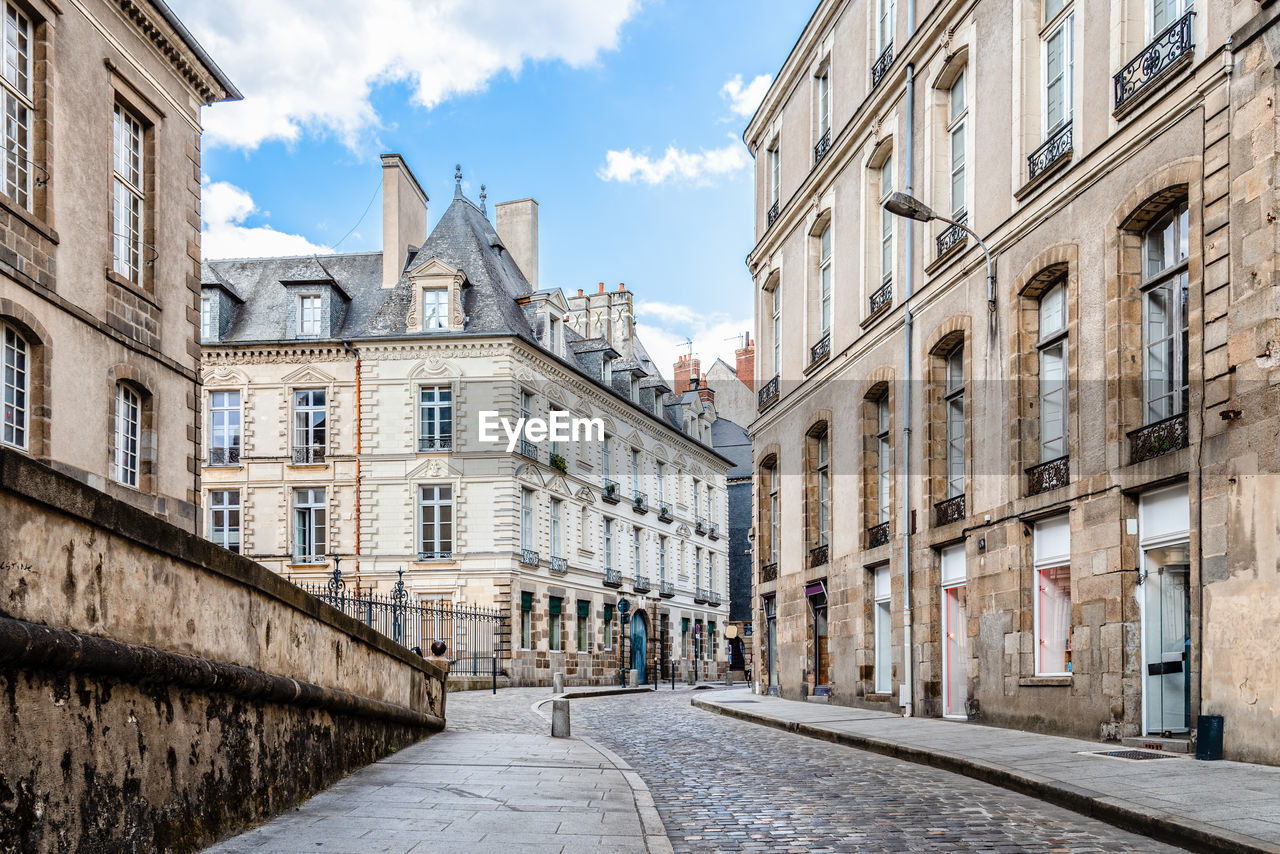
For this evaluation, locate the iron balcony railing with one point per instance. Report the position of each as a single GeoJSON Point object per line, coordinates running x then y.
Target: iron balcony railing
{"type": "Point", "coordinates": [435, 443]}
{"type": "Point", "coordinates": [610, 493]}
{"type": "Point", "coordinates": [641, 584]}
{"type": "Point", "coordinates": [700, 525]}
{"type": "Point", "coordinates": [878, 535]}
{"type": "Point", "coordinates": [713, 531]}
{"type": "Point", "coordinates": [881, 66]}
{"type": "Point", "coordinates": [435, 556]}
{"type": "Point", "coordinates": [700, 596]}
{"type": "Point", "coordinates": [1161, 437]}
{"type": "Point", "coordinates": [769, 572]}
{"type": "Point", "coordinates": [559, 566]}
{"type": "Point", "coordinates": [528, 557]}
{"type": "Point", "coordinates": [224, 456]}
{"type": "Point", "coordinates": [664, 514]}
{"type": "Point", "coordinates": [1048, 475]}
{"type": "Point", "coordinates": [666, 589]}
{"type": "Point", "coordinates": [821, 350]}
{"type": "Point", "coordinates": [882, 297]}
{"type": "Point", "coordinates": [819, 555]}
{"type": "Point", "coordinates": [310, 455]}
{"type": "Point", "coordinates": [613, 578]}
{"type": "Point", "coordinates": [820, 150]}
{"type": "Point", "coordinates": [639, 501]}
{"type": "Point", "coordinates": [949, 510]}
{"type": "Point", "coordinates": [768, 394]}
{"type": "Point", "coordinates": [1056, 147]}
{"type": "Point", "coordinates": [953, 236]}
{"type": "Point", "coordinates": [713, 598]}
{"type": "Point", "coordinates": [772, 216]}
{"type": "Point", "coordinates": [528, 449]}
{"type": "Point", "coordinates": [1169, 49]}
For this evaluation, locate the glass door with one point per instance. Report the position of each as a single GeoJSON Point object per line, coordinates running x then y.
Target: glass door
{"type": "Point", "coordinates": [771, 643]}
{"type": "Point", "coordinates": [1166, 636]}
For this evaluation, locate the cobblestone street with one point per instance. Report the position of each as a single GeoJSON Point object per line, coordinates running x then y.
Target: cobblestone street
{"type": "Point", "coordinates": [726, 785]}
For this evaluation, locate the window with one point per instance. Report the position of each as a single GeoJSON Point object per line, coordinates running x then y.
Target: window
{"type": "Point", "coordinates": [1053, 596]}
{"type": "Point", "coordinates": [606, 371]}
{"type": "Point", "coordinates": [435, 514]}
{"type": "Point", "coordinates": [824, 274]}
{"type": "Point", "coordinates": [775, 171]}
{"type": "Point", "coordinates": [883, 632]}
{"type": "Point", "coordinates": [224, 428]}
{"type": "Point", "coordinates": [697, 568]}
{"type": "Point", "coordinates": [17, 355]}
{"type": "Point", "coordinates": [684, 637]}
{"type": "Point", "coordinates": [309, 312]}
{"type": "Point", "coordinates": [309, 422]}
{"type": "Point", "coordinates": [224, 518]}
{"type": "Point", "coordinates": [1164, 317]}
{"type": "Point", "coordinates": [635, 389]}
{"type": "Point", "coordinates": [662, 481]}
{"type": "Point", "coordinates": [884, 461]}
{"type": "Point", "coordinates": [526, 519]}
{"type": "Point", "coordinates": [584, 611]}
{"type": "Point", "coordinates": [557, 447]}
{"type": "Point", "coordinates": [556, 546]}
{"type": "Point", "coordinates": [777, 328]}
{"type": "Point", "coordinates": [554, 622]}
{"type": "Point", "coordinates": [128, 196]}
{"type": "Point", "coordinates": [1059, 66]}
{"type": "Point", "coordinates": [606, 461]}
{"type": "Point", "coordinates": [955, 422]}
{"type": "Point", "coordinates": [662, 558]}
{"type": "Point", "coordinates": [886, 222]}
{"type": "Point", "coordinates": [208, 331]}
{"type": "Point", "coordinates": [1053, 373]}
{"type": "Point", "coordinates": [526, 621]}
{"type": "Point", "coordinates": [635, 473]}
{"type": "Point", "coordinates": [956, 120]}
{"type": "Point", "coordinates": [955, 633]}
{"type": "Point", "coordinates": [15, 88]}
{"type": "Point", "coordinates": [1165, 12]}
{"type": "Point", "coordinates": [435, 308]}
{"type": "Point", "coordinates": [772, 472]}
{"type": "Point", "coordinates": [636, 552]}
{"type": "Point", "coordinates": [309, 525]}
{"type": "Point", "coordinates": [127, 434]}
{"type": "Point", "coordinates": [608, 543]}
{"type": "Point", "coordinates": [435, 418]}
{"type": "Point", "coordinates": [884, 24]}
{"type": "Point", "coordinates": [608, 626]}
{"type": "Point", "coordinates": [526, 405]}
{"type": "Point", "coordinates": [697, 500]}
{"type": "Point", "coordinates": [824, 487]}
{"type": "Point", "coordinates": [711, 572]}
{"type": "Point", "coordinates": [823, 88]}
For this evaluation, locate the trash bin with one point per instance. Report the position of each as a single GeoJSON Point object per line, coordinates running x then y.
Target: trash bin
{"type": "Point", "coordinates": [1209, 737]}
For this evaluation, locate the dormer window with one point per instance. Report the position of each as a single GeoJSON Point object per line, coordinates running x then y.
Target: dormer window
{"type": "Point", "coordinates": [208, 319]}
{"type": "Point", "coordinates": [607, 371]}
{"type": "Point", "coordinates": [553, 334]}
{"type": "Point", "coordinates": [435, 303]}
{"type": "Point", "coordinates": [309, 313]}
{"type": "Point", "coordinates": [635, 389]}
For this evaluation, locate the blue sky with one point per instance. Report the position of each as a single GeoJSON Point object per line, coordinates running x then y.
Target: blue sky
{"type": "Point", "coordinates": [530, 96]}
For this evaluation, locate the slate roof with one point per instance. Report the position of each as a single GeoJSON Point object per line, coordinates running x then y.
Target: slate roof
{"type": "Point", "coordinates": [730, 440]}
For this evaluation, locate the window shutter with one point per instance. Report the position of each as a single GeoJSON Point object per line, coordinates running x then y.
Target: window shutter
{"type": "Point", "coordinates": [553, 605]}
{"type": "Point", "coordinates": [584, 608]}
{"type": "Point", "coordinates": [526, 601]}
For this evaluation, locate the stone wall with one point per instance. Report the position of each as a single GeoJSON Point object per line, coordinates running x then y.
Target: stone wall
{"type": "Point", "coordinates": [162, 692]}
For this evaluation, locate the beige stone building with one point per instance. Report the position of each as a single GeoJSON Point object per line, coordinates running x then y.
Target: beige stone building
{"type": "Point", "coordinates": [346, 397]}
{"type": "Point", "coordinates": [1050, 503]}
{"type": "Point", "coordinates": [100, 245]}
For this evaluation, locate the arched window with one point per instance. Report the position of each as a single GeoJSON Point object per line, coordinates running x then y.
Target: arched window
{"type": "Point", "coordinates": [818, 492]}
{"type": "Point", "coordinates": [1053, 372]}
{"type": "Point", "coordinates": [954, 393]}
{"type": "Point", "coordinates": [1164, 316]}
{"type": "Point", "coordinates": [824, 273]}
{"type": "Point", "coordinates": [17, 389]}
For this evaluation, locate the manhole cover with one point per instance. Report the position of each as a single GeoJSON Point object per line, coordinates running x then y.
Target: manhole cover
{"type": "Point", "coordinates": [1134, 754]}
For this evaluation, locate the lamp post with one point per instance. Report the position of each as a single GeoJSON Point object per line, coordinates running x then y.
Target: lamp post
{"type": "Point", "coordinates": [624, 613]}
{"type": "Point", "coordinates": [909, 207]}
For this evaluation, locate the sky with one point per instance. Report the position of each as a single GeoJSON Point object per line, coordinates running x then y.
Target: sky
{"type": "Point", "coordinates": [623, 118]}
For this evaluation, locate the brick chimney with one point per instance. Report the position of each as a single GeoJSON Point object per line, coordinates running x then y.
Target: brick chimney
{"type": "Point", "coordinates": [688, 374]}
{"type": "Point", "coordinates": [404, 217]}
{"type": "Point", "coordinates": [747, 363]}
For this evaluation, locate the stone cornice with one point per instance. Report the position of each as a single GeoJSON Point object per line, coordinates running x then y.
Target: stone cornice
{"type": "Point", "coordinates": [208, 83]}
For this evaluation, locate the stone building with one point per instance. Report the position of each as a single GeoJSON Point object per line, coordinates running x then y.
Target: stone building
{"type": "Point", "coordinates": [1050, 501]}
{"type": "Point", "coordinates": [100, 245]}
{"type": "Point", "coordinates": [347, 398]}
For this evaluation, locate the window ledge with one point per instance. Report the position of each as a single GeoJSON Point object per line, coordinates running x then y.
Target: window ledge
{"type": "Point", "coordinates": [1059, 165]}
{"type": "Point", "coordinates": [817, 363]}
{"type": "Point", "coordinates": [1045, 681]}
{"type": "Point", "coordinates": [29, 219]}
{"type": "Point", "coordinates": [136, 290]}
{"type": "Point", "coordinates": [943, 260]}
{"type": "Point", "coordinates": [875, 318]}
{"type": "Point", "coordinates": [229, 466]}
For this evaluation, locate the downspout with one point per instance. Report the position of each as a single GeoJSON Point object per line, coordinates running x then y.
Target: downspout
{"type": "Point", "coordinates": [356, 353]}
{"type": "Point", "coordinates": [908, 281]}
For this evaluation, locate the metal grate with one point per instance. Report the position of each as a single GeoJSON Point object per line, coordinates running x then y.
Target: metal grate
{"type": "Point", "coordinates": [1134, 754]}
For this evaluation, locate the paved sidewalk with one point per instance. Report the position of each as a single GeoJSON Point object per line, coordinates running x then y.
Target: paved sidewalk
{"type": "Point", "coordinates": [473, 792]}
{"type": "Point", "coordinates": [1211, 806]}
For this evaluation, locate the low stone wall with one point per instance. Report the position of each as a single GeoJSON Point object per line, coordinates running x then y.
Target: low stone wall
{"type": "Point", "coordinates": [161, 693]}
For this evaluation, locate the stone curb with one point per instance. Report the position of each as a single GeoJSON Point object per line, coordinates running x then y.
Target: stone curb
{"type": "Point", "coordinates": [1176, 830]}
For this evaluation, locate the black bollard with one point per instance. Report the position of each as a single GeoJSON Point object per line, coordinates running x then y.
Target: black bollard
{"type": "Point", "coordinates": [495, 673]}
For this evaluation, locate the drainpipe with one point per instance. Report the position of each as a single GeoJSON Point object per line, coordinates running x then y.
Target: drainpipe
{"type": "Point", "coordinates": [908, 281]}
{"type": "Point", "coordinates": [356, 354]}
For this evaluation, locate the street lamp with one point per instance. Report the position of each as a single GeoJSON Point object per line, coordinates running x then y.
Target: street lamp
{"type": "Point", "coordinates": [909, 207]}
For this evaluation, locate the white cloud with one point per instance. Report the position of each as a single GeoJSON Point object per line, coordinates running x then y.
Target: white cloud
{"type": "Point", "coordinates": [311, 65]}
{"type": "Point", "coordinates": [224, 208]}
{"type": "Point", "coordinates": [626, 166]}
{"type": "Point", "coordinates": [664, 328]}
{"type": "Point", "coordinates": [744, 99]}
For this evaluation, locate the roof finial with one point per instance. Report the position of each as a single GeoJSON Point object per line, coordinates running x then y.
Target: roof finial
{"type": "Point", "coordinates": [482, 198]}
{"type": "Point", "coordinates": [457, 176]}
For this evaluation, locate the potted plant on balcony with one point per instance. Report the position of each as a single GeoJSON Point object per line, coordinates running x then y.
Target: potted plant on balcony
{"type": "Point", "coordinates": [559, 462]}
{"type": "Point", "coordinates": [664, 513]}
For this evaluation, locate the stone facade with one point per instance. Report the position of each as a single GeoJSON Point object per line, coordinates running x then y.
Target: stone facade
{"type": "Point", "coordinates": [72, 321]}
{"type": "Point", "coordinates": [1051, 501]}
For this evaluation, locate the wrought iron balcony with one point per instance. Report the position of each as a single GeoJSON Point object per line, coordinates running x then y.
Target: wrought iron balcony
{"type": "Point", "coordinates": [821, 350]}
{"type": "Point", "coordinates": [713, 531]}
{"type": "Point", "coordinates": [612, 578]}
{"type": "Point", "coordinates": [664, 514]}
{"type": "Point", "coordinates": [559, 462]}
{"type": "Point", "coordinates": [881, 66]}
{"type": "Point", "coordinates": [312, 455]}
{"type": "Point", "coordinates": [772, 216]}
{"type": "Point", "coordinates": [767, 394]}
{"type": "Point", "coordinates": [559, 566]}
{"type": "Point", "coordinates": [713, 598]}
{"type": "Point", "coordinates": [528, 449]}
{"type": "Point", "coordinates": [528, 557]}
{"type": "Point", "coordinates": [1161, 437]}
{"type": "Point", "coordinates": [953, 236]}
{"type": "Point", "coordinates": [1171, 48]}
{"type": "Point", "coordinates": [1055, 148]}
{"type": "Point", "coordinates": [819, 555]}
{"type": "Point", "coordinates": [878, 535]}
{"type": "Point", "coordinates": [610, 493]}
{"type": "Point", "coordinates": [427, 444]}
{"type": "Point", "coordinates": [435, 555]}
{"type": "Point", "coordinates": [666, 589]}
{"type": "Point", "coordinates": [949, 510]}
{"type": "Point", "coordinates": [820, 150]}
{"type": "Point", "coordinates": [700, 596]}
{"type": "Point", "coordinates": [224, 456]}
{"type": "Point", "coordinates": [1048, 475]}
{"type": "Point", "coordinates": [768, 572]}
{"type": "Point", "coordinates": [641, 584]}
{"type": "Point", "coordinates": [882, 298]}
{"type": "Point", "coordinates": [700, 526]}
{"type": "Point", "coordinates": [639, 502]}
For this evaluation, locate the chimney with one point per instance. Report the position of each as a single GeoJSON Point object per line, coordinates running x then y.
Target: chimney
{"type": "Point", "coordinates": [688, 374]}
{"type": "Point", "coordinates": [747, 363]}
{"type": "Point", "coordinates": [517, 225]}
{"type": "Point", "coordinates": [404, 217]}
